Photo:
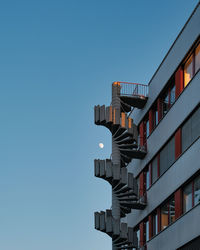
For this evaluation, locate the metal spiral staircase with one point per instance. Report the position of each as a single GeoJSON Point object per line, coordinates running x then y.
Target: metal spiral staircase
{"type": "Point", "coordinates": [125, 147]}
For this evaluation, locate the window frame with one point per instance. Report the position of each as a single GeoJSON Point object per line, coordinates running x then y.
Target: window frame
{"type": "Point", "coordinates": [172, 197]}
{"type": "Point", "coordinates": [190, 54]}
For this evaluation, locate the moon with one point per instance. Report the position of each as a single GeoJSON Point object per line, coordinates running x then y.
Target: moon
{"type": "Point", "coordinates": [101, 145]}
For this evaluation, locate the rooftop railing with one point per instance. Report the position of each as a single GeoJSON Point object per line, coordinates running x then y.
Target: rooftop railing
{"type": "Point", "coordinates": [133, 89]}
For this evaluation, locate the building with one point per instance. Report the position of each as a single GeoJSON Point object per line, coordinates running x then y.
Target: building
{"type": "Point", "coordinates": [154, 171]}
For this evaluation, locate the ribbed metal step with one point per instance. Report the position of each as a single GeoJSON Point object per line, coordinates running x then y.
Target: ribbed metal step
{"type": "Point", "coordinates": [128, 146]}
{"type": "Point", "coordinates": [122, 235]}
{"type": "Point", "coordinates": [135, 101]}
{"type": "Point", "coordinates": [138, 153]}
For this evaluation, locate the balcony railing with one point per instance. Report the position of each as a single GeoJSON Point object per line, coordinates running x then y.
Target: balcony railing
{"type": "Point", "coordinates": [133, 89]}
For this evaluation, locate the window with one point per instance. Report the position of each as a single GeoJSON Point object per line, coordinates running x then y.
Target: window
{"type": "Point", "coordinates": [155, 116]}
{"type": "Point", "coordinates": [167, 213]}
{"type": "Point", "coordinates": [138, 236]}
{"type": "Point", "coordinates": [167, 156]}
{"type": "Point", "coordinates": [191, 130]}
{"type": "Point", "coordinates": [166, 105]}
{"type": "Point", "coordinates": [164, 216]}
{"type": "Point", "coordinates": [192, 65]}
{"type": "Point", "coordinates": [191, 194]}
{"type": "Point", "coordinates": [172, 94]}
{"type": "Point", "coordinates": [154, 170]}
{"type": "Point", "coordinates": [147, 178]}
{"type": "Point", "coordinates": [197, 190]}
{"type": "Point", "coordinates": [197, 58]}
{"type": "Point", "coordinates": [169, 97]}
{"type": "Point", "coordinates": [188, 70]}
{"type": "Point", "coordinates": [154, 224]}
{"type": "Point", "coordinates": [147, 230]}
{"type": "Point", "coordinates": [187, 198]}
{"type": "Point", "coordinates": [171, 211]}
{"type": "Point", "coordinates": [147, 127]}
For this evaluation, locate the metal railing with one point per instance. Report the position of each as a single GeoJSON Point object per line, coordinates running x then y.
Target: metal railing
{"type": "Point", "coordinates": [133, 89]}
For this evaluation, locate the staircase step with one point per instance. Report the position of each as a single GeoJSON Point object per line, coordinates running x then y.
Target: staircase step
{"type": "Point", "coordinates": [120, 130]}
{"type": "Point", "coordinates": [134, 153]}
{"type": "Point", "coordinates": [134, 205]}
{"type": "Point", "coordinates": [125, 107]}
{"type": "Point", "coordinates": [123, 136]}
{"type": "Point", "coordinates": [128, 146]}
{"type": "Point", "coordinates": [128, 140]}
{"type": "Point", "coordinates": [137, 101]}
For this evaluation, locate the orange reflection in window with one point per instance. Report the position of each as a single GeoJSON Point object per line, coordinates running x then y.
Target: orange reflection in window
{"type": "Point", "coordinates": [197, 58]}
{"type": "Point", "coordinates": [188, 70]}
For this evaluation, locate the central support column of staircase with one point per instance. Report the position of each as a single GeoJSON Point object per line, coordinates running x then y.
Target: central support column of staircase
{"type": "Point", "coordinates": [116, 158]}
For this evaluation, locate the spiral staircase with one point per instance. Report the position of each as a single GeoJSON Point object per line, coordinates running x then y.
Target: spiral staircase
{"type": "Point", "coordinates": [125, 147]}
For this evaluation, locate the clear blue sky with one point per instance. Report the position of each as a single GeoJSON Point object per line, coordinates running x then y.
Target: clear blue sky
{"type": "Point", "coordinates": [57, 60]}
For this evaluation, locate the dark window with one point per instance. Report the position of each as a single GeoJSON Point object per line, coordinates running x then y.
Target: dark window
{"type": "Point", "coordinates": [195, 123]}
{"type": "Point", "coordinates": [187, 197]}
{"type": "Point", "coordinates": [191, 130]}
{"type": "Point", "coordinates": [191, 194]}
{"type": "Point", "coordinates": [166, 105]}
{"type": "Point", "coordinates": [169, 97]}
{"type": "Point", "coordinates": [154, 170]}
{"type": "Point", "coordinates": [197, 190]}
{"type": "Point", "coordinates": [172, 94]}
{"type": "Point", "coordinates": [147, 230]}
{"type": "Point", "coordinates": [167, 156]}
{"type": "Point", "coordinates": [192, 245]}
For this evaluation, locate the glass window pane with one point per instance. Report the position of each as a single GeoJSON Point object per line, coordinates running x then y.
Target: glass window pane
{"type": "Point", "coordinates": [163, 160]}
{"type": "Point", "coordinates": [171, 210]}
{"type": "Point", "coordinates": [186, 135]}
{"type": "Point", "coordinates": [172, 94]}
{"type": "Point", "coordinates": [195, 123]}
{"type": "Point", "coordinates": [197, 58]}
{"type": "Point", "coordinates": [188, 70]}
{"type": "Point", "coordinates": [154, 169]}
{"type": "Point", "coordinates": [155, 116]}
{"type": "Point", "coordinates": [147, 230]}
{"type": "Point", "coordinates": [147, 128]}
{"type": "Point", "coordinates": [147, 179]}
{"type": "Point", "coordinates": [155, 224]}
{"type": "Point", "coordinates": [164, 216]}
{"type": "Point", "coordinates": [187, 198]}
{"type": "Point", "coordinates": [138, 236]}
{"type": "Point", "coordinates": [197, 190]}
{"type": "Point", "coordinates": [165, 102]}
{"type": "Point", "coordinates": [171, 151]}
